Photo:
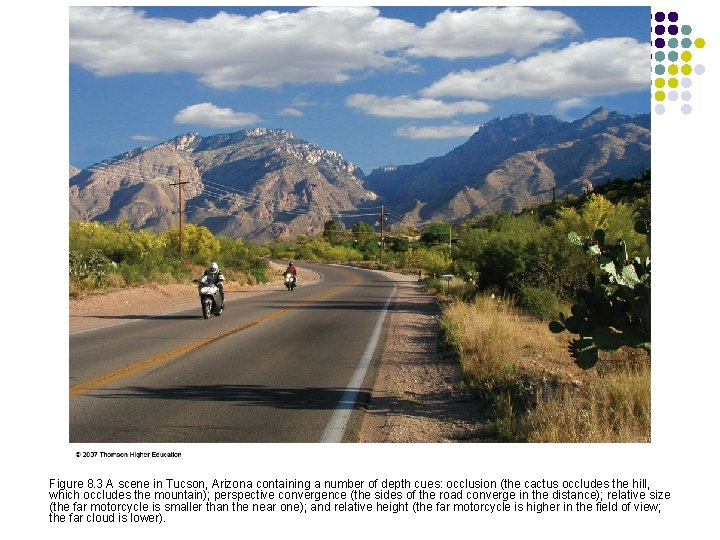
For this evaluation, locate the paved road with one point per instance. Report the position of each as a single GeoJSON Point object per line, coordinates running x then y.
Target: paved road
{"type": "Point", "coordinates": [277, 367]}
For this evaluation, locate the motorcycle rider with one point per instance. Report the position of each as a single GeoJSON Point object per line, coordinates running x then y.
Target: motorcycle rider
{"type": "Point", "coordinates": [213, 276]}
{"type": "Point", "coordinates": [290, 270]}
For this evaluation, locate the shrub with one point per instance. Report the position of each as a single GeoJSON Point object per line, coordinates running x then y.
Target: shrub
{"type": "Point", "coordinates": [103, 254]}
{"type": "Point", "coordinates": [539, 301]}
{"type": "Point", "coordinates": [95, 266]}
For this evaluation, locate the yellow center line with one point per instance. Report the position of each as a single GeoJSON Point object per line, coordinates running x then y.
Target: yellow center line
{"type": "Point", "coordinates": [159, 359]}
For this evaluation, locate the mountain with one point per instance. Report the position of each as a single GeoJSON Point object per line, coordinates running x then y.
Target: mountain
{"type": "Point", "coordinates": [264, 183]}
{"type": "Point", "coordinates": [255, 184]}
{"type": "Point", "coordinates": [511, 162]}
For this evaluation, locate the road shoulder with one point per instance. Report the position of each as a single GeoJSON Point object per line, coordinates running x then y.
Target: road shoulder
{"type": "Point", "coordinates": [418, 394]}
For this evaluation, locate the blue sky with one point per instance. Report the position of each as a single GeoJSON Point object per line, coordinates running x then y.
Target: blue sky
{"type": "Point", "coordinates": [380, 85]}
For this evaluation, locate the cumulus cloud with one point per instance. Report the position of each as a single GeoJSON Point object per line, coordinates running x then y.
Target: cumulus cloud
{"type": "Point", "coordinates": [408, 107]}
{"type": "Point", "coordinates": [489, 31]}
{"type": "Point", "coordinates": [599, 67]}
{"type": "Point", "coordinates": [229, 51]}
{"type": "Point", "coordinates": [207, 114]}
{"type": "Point", "coordinates": [319, 44]}
{"type": "Point", "coordinates": [449, 131]}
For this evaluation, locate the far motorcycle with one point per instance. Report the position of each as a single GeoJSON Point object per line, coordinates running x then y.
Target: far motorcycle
{"type": "Point", "coordinates": [290, 281]}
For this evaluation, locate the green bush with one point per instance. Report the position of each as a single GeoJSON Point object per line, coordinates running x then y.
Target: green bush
{"type": "Point", "coordinates": [133, 274]}
{"type": "Point", "coordinates": [103, 254]}
{"type": "Point", "coordinates": [539, 301]}
{"type": "Point", "coordinates": [95, 266]}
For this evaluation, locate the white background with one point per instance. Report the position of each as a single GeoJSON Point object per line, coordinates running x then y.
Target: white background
{"type": "Point", "coordinates": [681, 457]}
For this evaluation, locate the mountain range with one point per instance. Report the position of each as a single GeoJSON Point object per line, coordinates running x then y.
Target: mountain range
{"type": "Point", "coordinates": [264, 183]}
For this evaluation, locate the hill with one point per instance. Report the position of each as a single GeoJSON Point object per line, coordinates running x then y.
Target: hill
{"type": "Point", "coordinates": [511, 163]}
{"type": "Point", "coordinates": [265, 183]}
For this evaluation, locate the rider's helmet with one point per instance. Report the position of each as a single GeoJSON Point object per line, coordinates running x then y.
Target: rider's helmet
{"type": "Point", "coordinates": [213, 267]}
{"type": "Point", "coordinates": [290, 263]}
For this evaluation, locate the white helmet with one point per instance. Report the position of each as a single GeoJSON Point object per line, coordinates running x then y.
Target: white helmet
{"type": "Point", "coordinates": [214, 267]}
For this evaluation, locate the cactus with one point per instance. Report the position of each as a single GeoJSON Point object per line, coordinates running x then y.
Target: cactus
{"type": "Point", "coordinates": [614, 311]}
{"type": "Point", "coordinates": [95, 266]}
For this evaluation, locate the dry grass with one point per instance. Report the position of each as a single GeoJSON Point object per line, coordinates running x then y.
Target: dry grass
{"type": "Point", "coordinates": [532, 386]}
{"type": "Point", "coordinates": [612, 407]}
{"type": "Point", "coordinates": [492, 337]}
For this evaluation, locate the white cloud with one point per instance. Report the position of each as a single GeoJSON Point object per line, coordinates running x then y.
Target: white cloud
{"type": "Point", "coordinates": [319, 44]}
{"type": "Point", "coordinates": [143, 138]}
{"type": "Point", "coordinates": [448, 131]}
{"type": "Point", "coordinates": [408, 107]}
{"type": "Point", "coordinates": [599, 67]}
{"type": "Point", "coordinates": [304, 101]}
{"type": "Point", "coordinates": [564, 106]}
{"type": "Point", "coordinates": [207, 114]}
{"type": "Point", "coordinates": [230, 51]}
{"type": "Point", "coordinates": [489, 31]}
{"type": "Point", "coordinates": [290, 111]}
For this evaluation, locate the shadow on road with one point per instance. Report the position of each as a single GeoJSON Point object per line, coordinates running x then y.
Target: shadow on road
{"type": "Point", "coordinates": [244, 395]}
{"type": "Point", "coordinates": [131, 317]}
{"type": "Point", "coordinates": [429, 404]}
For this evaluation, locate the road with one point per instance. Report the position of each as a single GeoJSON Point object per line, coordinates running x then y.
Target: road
{"type": "Point", "coordinates": [276, 367]}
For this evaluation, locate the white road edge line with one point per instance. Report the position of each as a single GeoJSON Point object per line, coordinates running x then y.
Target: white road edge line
{"type": "Point", "coordinates": [335, 429]}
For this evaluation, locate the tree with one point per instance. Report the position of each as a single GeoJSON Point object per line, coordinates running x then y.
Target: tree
{"type": "Point", "coordinates": [436, 233]}
{"type": "Point", "coordinates": [332, 230]}
{"type": "Point", "coordinates": [399, 244]}
{"type": "Point", "coordinates": [362, 230]}
{"type": "Point", "coordinates": [199, 244]}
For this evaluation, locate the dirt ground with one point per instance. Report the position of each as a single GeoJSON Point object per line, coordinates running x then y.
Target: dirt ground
{"type": "Point", "coordinates": [94, 310]}
{"type": "Point", "coordinates": [417, 397]}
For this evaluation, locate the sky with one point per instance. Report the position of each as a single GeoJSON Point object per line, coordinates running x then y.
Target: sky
{"type": "Point", "coordinates": [381, 85]}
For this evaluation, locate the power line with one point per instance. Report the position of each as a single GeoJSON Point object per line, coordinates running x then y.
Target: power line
{"type": "Point", "coordinates": [215, 189]}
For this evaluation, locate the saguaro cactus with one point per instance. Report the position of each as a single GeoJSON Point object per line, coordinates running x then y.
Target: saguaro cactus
{"type": "Point", "coordinates": [614, 311]}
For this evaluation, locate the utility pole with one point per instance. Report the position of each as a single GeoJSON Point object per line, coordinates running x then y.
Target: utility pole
{"type": "Point", "coordinates": [180, 184]}
{"type": "Point", "coordinates": [382, 232]}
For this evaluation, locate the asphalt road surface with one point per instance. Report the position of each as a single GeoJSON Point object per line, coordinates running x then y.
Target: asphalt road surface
{"type": "Point", "coordinates": [275, 367]}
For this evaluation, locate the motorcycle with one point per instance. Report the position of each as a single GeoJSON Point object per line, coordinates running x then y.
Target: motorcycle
{"type": "Point", "coordinates": [290, 281]}
{"type": "Point", "coordinates": [210, 299]}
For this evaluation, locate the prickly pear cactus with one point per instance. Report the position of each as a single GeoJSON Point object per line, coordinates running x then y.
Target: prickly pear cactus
{"type": "Point", "coordinates": [613, 311]}
{"type": "Point", "coordinates": [95, 266]}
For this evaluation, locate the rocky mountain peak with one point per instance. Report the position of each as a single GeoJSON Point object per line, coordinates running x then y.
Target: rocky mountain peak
{"type": "Point", "coordinates": [510, 162]}
{"type": "Point", "coordinates": [256, 184]}
{"type": "Point", "coordinates": [263, 182]}
{"type": "Point", "coordinates": [187, 141]}
{"type": "Point", "coordinates": [600, 114]}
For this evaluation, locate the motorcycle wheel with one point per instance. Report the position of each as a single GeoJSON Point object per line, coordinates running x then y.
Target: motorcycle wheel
{"type": "Point", "coordinates": [206, 307]}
